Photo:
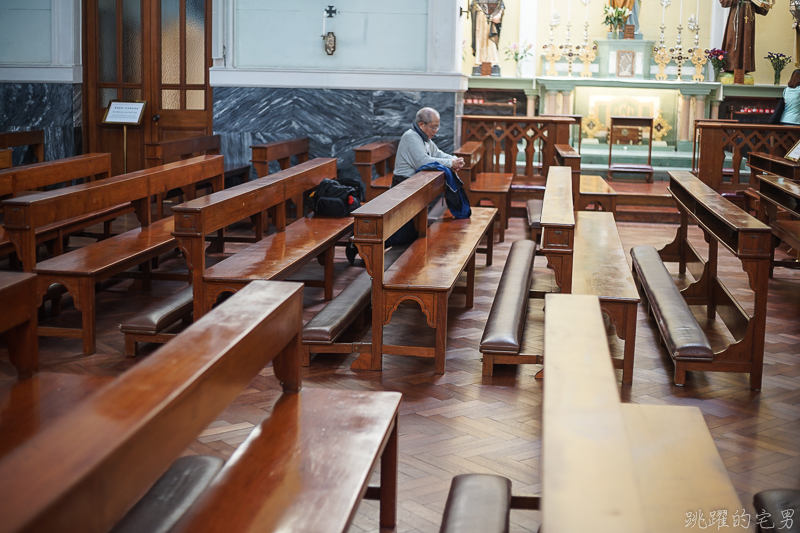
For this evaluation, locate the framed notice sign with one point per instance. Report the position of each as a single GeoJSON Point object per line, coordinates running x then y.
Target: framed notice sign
{"type": "Point", "coordinates": [794, 153]}
{"type": "Point", "coordinates": [124, 113]}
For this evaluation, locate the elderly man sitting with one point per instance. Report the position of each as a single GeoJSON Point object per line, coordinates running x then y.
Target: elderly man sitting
{"type": "Point", "coordinates": [417, 148]}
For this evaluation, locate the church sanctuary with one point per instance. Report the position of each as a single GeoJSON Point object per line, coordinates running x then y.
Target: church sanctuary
{"type": "Point", "coordinates": [419, 266]}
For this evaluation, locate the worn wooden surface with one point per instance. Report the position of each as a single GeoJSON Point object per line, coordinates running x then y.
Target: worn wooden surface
{"type": "Point", "coordinates": [18, 320]}
{"type": "Point", "coordinates": [558, 226]}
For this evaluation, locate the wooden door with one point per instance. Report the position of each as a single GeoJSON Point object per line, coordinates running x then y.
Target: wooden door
{"type": "Point", "coordinates": [153, 50]}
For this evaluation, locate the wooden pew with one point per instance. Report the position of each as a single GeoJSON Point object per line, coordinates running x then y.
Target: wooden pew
{"type": "Point", "coordinates": [18, 320]}
{"type": "Point", "coordinates": [100, 458]}
{"type": "Point", "coordinates": [780, 194]}
{"type": "Point", "coordinates": [481, 185]}
{"type": "Point", "coordinates": [33, 138]}
{"type": "Point", "coordinates": [5, 158]}
{"type": "Point", "coordinates": [273, 257]}
{"type": "Point", "coordinates": [567, 156]}
{"type": "Point", "coordinates": [380, 155]}
{"type": "Point", "coordinates": [81, 269]}
{"type": "Point", "coordinates": [631, 467]}
{"type": "Point", "coordinates": [558, 226]}
{"type": "Point", "coordinates": [748, 240]}
{"type": "Point", "coordinates": [89, 167]}
{"type": "Point", "coordinates": [282, 152]}
{"type": "Point", "coordinates": [156, 154]}
{"type": "Point", "coordinates": [427, 272]}
{"type": "Point", "coordinates": [595, 190]}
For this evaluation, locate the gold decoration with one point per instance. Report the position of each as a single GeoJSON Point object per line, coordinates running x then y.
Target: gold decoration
{"type": "Point", "coordinates": [587, 56]}
{"type": "Point", "coordinates": [591, 125]}
{"type": "Point", "coordinates": [660, 127]}
{"type": "Point", "coordinates": [553, 54]}
{"type": "Point", "coordinates": [699, 60]}
{"type": "Point", "coordinates": [662, 59]}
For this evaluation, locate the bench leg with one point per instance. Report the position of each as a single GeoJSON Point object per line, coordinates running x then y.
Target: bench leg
{"type": "Point", "coordinates": [85, 300]}
{"type": "Point", "coordinates": [490, 243]}
{"type": "Point", "coordinates": [131, 346]}
{"type": "Point", "coordinates": [471, 282]}
{"type": "Point", "coordinates": [388, 518]}
{"type": "Point", "coordinates": [680, 374]}
{"type": "Point", "coordinates": [503, 217]}
{"type": "Point", "coordinates": [630, 345]}
{"type": "Point", "coordinates": [328, 259]}
{"type": "Point", "coordinates": [306, 360]}
{"type": "Point", "coordinates": [23, 347]}
{"type": "Point", "coordinates": [440, 312]}
{"type": "Point", "coordinates": [488, 364]}
{"type": "Point", "coordinates": [287, 364]}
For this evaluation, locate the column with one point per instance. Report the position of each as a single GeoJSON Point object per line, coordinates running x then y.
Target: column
{"type": "Point", "coordinates": [685, 124]}
{"type": "Point", "coordinates": [530, 94]}
{"type": "Point", "coordinates": [700, 111]}
{"type": "Point", "coordinates": [560, 98]}
{"type": "Point", "coordinates": [550, 103]}
{"type": "Point", "coordinates": [715, 109]}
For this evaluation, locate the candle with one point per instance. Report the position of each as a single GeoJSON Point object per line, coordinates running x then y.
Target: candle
{"type": "Point", "coordinates": [663, 10]}
{"type": "Point", "coordinates": [587, 10]}
{"type": "Point", "coordinates": [680, 17]}
{"type": "Point", "coordinates": [697, 13]}
{"type": "Point", "coordinates": [569, 11]}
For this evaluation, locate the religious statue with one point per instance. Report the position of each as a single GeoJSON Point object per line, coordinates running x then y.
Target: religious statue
{"type": "Point", "coordinates": [633, 5]}
{"type": "Point", "coordinates": [487, 19]}
{"type": "Point", "coordinates": [740, 32]}
{"type": "Point", "coordinates": [794, 9]}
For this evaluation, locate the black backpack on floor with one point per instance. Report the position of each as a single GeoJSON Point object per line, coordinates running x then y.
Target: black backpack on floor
{"type": "Point", "coordinates": [332, 199]}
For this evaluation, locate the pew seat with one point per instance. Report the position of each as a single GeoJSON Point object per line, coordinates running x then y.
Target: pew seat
{"type": "Point", "coordinates": [477, 503]}
{"type": "Point", "coordinates": [348, 307]}
{"type": "Point", "coordinates": [18, 320]}
{"type": "Point", "coordinates": [278, 256]}
{"type": "Point", "coordinates": [502, 338]}
{"type": "Point", "coordinates": [779, 504]}
{"type": "Point", "coordinates": [534, 210]}
{"type": "Point", "coordinates": [80, 269]}
{"type": "Point", "coordinates": [595, 190]}
{"type": "Point", "coordinates": [680, 332]}
{"type": "Point", "coordinates": [152, 324]}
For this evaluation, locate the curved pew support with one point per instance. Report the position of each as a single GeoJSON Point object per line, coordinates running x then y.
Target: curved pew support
{"type": "Point", "coordinates": [749, 241]}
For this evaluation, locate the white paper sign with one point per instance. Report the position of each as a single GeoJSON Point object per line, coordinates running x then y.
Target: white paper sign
{"type": "Point", "coordinates": [794, 153]}
{"type": "Point", "coordinates": [124, 112]}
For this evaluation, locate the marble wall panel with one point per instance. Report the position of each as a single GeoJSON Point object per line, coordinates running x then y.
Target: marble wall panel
{"type": "Point", "coordinates": [46, 106]}
{"type": "Point", "coordinates": [336, 121]}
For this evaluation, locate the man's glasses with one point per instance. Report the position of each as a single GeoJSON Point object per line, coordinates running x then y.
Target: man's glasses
{"type": "Point", "coordinates": [434, 128]}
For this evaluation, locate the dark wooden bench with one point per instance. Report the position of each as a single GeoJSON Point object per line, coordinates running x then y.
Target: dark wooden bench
{"type": "Point", "coordinates": [378, 156]}
{"type": "Point", "coordinates": [24, 179]}
{"type": "Point", "coordinates": [5, 158]}
{"type": "Point", "coordinates": [281, 152]}
{"type": "Point", "coordinates": [157, 154]}
{"type": "Point", "coordinates": [481, 185]}
{"type": "Point", "coordinates": [81, 269]}
{"type": "Point", "coordinates": [276, 256]}
{"type": "Point", "coordinates": [427, 272]}
{"type": "Point", "coordinates": [32, 138]}
{"type": "Point", "coordinates": [632, 467]}
{"type": "Point", "coordinates": [155, 324]}
{"type": "Point", "coordinates": [779, 208]}
{"type": "Point", "coordinates": [595, 190]}
{"type": "Point", "coordinates": [748, 240]}
{"type": "Point", "coordinates": [18, 320]}
{"type": "Point", "coordinates": [680, 333]}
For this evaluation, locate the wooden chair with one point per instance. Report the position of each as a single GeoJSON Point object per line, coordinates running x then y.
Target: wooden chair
{"type": "Point", "coordinates": [379, 156]}
{"type": "Point", "coordinates": [616, 126]}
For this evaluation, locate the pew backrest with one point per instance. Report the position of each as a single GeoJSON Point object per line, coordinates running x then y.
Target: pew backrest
{"type": "Point", "coordinates": [472, 153]}
{"type": "Point", "coordinates": [156, 154]}
{"type": "Point", "coordinates": [34, 138]}
{"type": "Point", "coordinates": [28, 177]}
{"type": "Point", "coordinates": [381, 156]}
{"type": "Point", "coordinates": [87, 468]}
{"type": "Point", "coordinates": [280, 151]}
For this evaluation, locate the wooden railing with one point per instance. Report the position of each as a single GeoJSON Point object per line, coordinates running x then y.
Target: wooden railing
{"type": "Point", "coordinates": [502, 137]}
{"type": "Point", "coordinates": [720, 139]}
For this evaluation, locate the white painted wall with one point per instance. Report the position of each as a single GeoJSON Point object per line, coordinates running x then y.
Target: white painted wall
{"type": "Point", "coordinates": [40, 41]}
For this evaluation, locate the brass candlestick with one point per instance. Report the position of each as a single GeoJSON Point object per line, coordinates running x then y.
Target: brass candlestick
{"type": "Point", "coordinates": [552, 53]}
{"type": "Point", "coordinates": [569, 51]}
{"type": "Point", "coordinates": [661, 57]}
{"type": "Point", "coordinates": [587, 54]}
{"type": "Point", "coordinates": [696, 54]}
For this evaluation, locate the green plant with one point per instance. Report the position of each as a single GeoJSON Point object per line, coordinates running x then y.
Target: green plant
{"type": "Point", "coordinates": [518, 52]}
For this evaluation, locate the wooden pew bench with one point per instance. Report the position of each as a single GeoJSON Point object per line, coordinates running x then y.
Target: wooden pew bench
{"type": "Point", "coordinates": [81, 269]}
{"type": "Point", "coordinates": [32, 138]}
{"type": "Point", "coordinates": [100, 457]}
{"type": "Point", "coordinates": [5, 158]}
{"type": "Point", "coordinates": [748, 240]}
{"type": "Point", "coordinates": [378, 157]}
{"type": "Point", "coordinates": [595, 190]}
{"type": "Point", "coordinates": [427, 272]}
{"type": "Point", "coordinates": [18, 181]}
{"type": "Point", "coordinates": [18, 320]}
{"type": "Point", "coordinates": [282, 153]}
{"type": "Point", "coordinates": [157, 154]}
{"type": "Point", "coordinates": [629, 467]}
{"type": "Point", "coordinates": [567, 156]}
{"type": "Point", "coordinates": [274, 257]}
{"type": "Point", "coordinates": [155, 324]}
{"type": "Point", "coordinates": [780, 196]}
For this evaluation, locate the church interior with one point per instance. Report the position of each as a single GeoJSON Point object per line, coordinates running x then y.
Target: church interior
{"type": "Point", "coordinates": [414, 266]}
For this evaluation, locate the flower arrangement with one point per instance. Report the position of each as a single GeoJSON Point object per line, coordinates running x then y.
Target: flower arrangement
{"type": "Point", "coordinates": [779, 62]}
{"type": "Point", "coordinates": [615, 16]}
{"type": "Point", "coordinates": [716, 57]}
{"type": "Point", "coordinates": [518, 52]}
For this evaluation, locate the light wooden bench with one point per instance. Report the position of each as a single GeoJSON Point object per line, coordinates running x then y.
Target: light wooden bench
{"type": "Point", "coordinates": [481, 185]}
{"type": "Point", "coordinates": [595, 190]}
{"type": "Point", "coordinates": [631, 467]}
{"type": "Point", "coordinates": [749, 241]}
{"type": "Point", "coordinates": [81, 269]}
{"type": "Point", "coordinates": [32, 138]}
{"type": "Point", "coordinates": [427, 272]}
{"type": "Point", "coordinates": [281, 152]}
{"type": "Point", "coordinates": [22, 180]}
{"type": "Point", "coordinates": [379, 156]}
{"type": "Point", "coordinates": [157, 154]}
{"type": "Point", "coordinates": [567, 156]}
{"type": "Point", "coordinates": [18, 320]}
{"type": "Point", "coordinates": [274, 257]}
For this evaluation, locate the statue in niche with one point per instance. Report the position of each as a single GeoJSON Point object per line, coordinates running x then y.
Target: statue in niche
{"type": "Point", "coordinates": [633, 5]}
{"type": "Point", "coordinates": [487, 20]}
{"type": "Point", "coordinates": [740, 32]}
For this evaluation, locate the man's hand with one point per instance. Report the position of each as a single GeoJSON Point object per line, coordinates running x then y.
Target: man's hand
{"type": "Point", "coordinates": [457, 163]}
